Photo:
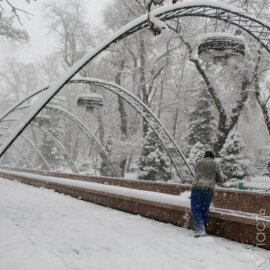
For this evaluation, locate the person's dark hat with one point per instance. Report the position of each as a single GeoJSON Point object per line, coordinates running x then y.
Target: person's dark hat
{"type": "Point", "coordinates": [209, 153]}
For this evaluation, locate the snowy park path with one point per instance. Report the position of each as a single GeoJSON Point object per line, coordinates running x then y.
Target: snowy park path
{"type": "Point", "coordinates": [41, 229]}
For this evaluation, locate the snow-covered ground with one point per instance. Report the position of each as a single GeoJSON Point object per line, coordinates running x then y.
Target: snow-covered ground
{"type": "Point", "coordinates": [41, 229]}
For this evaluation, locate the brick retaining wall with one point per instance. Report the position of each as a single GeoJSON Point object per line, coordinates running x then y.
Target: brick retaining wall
{"type": "Point", "coordinates": [237, 200]}
{"type": "Point", "coordinates": [242, 229]}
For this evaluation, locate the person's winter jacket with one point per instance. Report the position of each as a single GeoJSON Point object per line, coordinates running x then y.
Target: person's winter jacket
{"type": "Point", "coordinates": [207, 174]}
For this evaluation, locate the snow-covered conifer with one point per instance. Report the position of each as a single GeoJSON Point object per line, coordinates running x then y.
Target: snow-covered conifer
{"type": "Point", "coordinates": [106, 167]}
{"type": "Point", "coordinates": [202, 124]}
{"type": "Point", "coordinates": [235, 157]}
{"type": "Point", "coordinates": [196, 153]}
{"type": "Point", "coordinates": [154, 163]}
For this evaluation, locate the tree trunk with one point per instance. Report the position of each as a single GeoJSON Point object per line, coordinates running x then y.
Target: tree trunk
{"type": "Point", "coordinates": [160, 99]}
{"type": "Point", "coordinates": [123, 118]}
{"type": "Point", "coordinates": [129, 162]}
{"type": "Point", "coordinates": [263, 105]}
{"type": "Point", "coordinates": [224, 131]}
{"type": "Point", "coordinates": [223, 127]}
{"type": "Point", "coordinates": [100, 127]}
{"type": "Point", "coordinates": [175, 119]}
{"type": "Point", "coordinates": [143, 79]}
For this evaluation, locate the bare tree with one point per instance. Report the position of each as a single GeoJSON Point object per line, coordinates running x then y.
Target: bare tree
{"type": "Point", "coordinates": [9, 14]}
{"type": "Point", "coordinates": [67, 22]}
{"type": "Point", "coordinates": [18, 79]}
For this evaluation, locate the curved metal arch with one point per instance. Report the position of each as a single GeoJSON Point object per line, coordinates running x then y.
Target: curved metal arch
{"type": "Point", "coordinates": [23, 156]}
{"type": "Point", "coordinates": [69, 115]}
{"type": "Point", "coordinates": [38, 152]}
{"type": "Point", "coordinates": [12, 157]}
{"type": "Point", "coordinates": [177, 157]}
{"type": "Point", "coordinates": [62, 150]}
{"type": "Point", "coordinates": [256, 28]}
{"type": "Point", "coordinates": [20, 102]}
{"type": "Point", "coordinates": [54, 140]}
{"type": "Point", "coordinates": [59, 146]}
{"type": "Point", "coordinates": [10, 120]}
{"type": "Point", "coordinates": [33, 146]}
{"type": "Point", "coordinates": [86, 130]}
{"type": "Point", "coordinates": [175, 154]}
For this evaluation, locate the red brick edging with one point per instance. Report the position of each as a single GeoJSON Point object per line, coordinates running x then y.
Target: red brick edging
{"type": "Point", "coordinates": [241, 229]}
{"type": "Point", "coordinates": [237, 200]}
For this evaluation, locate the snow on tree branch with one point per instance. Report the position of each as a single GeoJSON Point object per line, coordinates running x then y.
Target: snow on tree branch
{"type": "Point", "coordinates": [15, 10]}
{"type": "Point", "coordinates": [7, 28]}
{"type": "Point", "coordinates": [156, 25]}
{"type": "Point", "coordinates": [9, 31]}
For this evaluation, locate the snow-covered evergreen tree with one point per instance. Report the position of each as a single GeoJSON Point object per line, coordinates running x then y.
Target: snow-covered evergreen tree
{"type": "Point", "coordinates": [235, 157]}
{"type": "Point", "coordinates": [154, 164]}
{"type": "Point", "coordinates": [196, 153]}
{"type": "Point", "coordinates": [202, 124]}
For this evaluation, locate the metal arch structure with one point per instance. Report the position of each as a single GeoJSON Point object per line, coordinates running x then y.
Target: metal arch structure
{"type": "Point", "coordinates": [33, 146]}
{"type": "Point", "coordinates": [23, 156]}
{"type": "Point", "coordinates": [66, 113]}
{"type": "Point", "coordinates": [175, 154]}
{"type": "Point", "coordinates": [12, 157]}
{"type": "Point", "coordinates": [8, 153]}
{"type": "Point", "coordinates": [38, 152]}
{"type": "Point", "coordinates": [54, 140]}
{"type": "Point", "coordinates": [254, 27]}
{"type": "Point", "coordinates": [59, 146]}
{"type": "Point", "coordinates": [72, 117]}
{"type": "Point", "coordinates": [17, 105]}
{"type": "Point", "coordinates": [86, 131]}
{"type": "Point", "coordinates": [173, 151]}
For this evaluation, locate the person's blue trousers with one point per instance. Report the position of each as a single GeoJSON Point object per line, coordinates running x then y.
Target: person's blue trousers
{"type": "Point", "coordinates": [200, 203]}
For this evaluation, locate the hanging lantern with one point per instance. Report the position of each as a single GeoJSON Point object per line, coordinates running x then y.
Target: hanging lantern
{"type": "Point", "coordinates": [221, 48]}
{"type": "Point", "coordinates": [42, 120]}
{"type": "Point", "coordinates": [90, 101]}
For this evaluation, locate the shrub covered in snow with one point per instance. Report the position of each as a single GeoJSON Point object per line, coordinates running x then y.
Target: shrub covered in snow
{"type": "Point", "coordinates": [202, 125]}
{"type": "Point", "coordinates": [154, 164]}
{"type": "Point", "coordinates": [235, 157]}
{"type": "Point", "coordinates": [196, 153]}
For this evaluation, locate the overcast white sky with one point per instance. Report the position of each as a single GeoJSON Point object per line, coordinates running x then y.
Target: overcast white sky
{"type": "Point", "coordinates": [40, 44]}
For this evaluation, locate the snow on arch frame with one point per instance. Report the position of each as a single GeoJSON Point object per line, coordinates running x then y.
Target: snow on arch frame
{"type": "Point", "coordinates": [175, 154]}
{"type": "Point", "coordinates": [200, 8]}
{"type": "Point", "coordinates": [69, 115]}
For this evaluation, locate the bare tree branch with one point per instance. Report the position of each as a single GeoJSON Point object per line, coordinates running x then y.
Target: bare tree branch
{"type": "Point", "coordinates": [15, 11]}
